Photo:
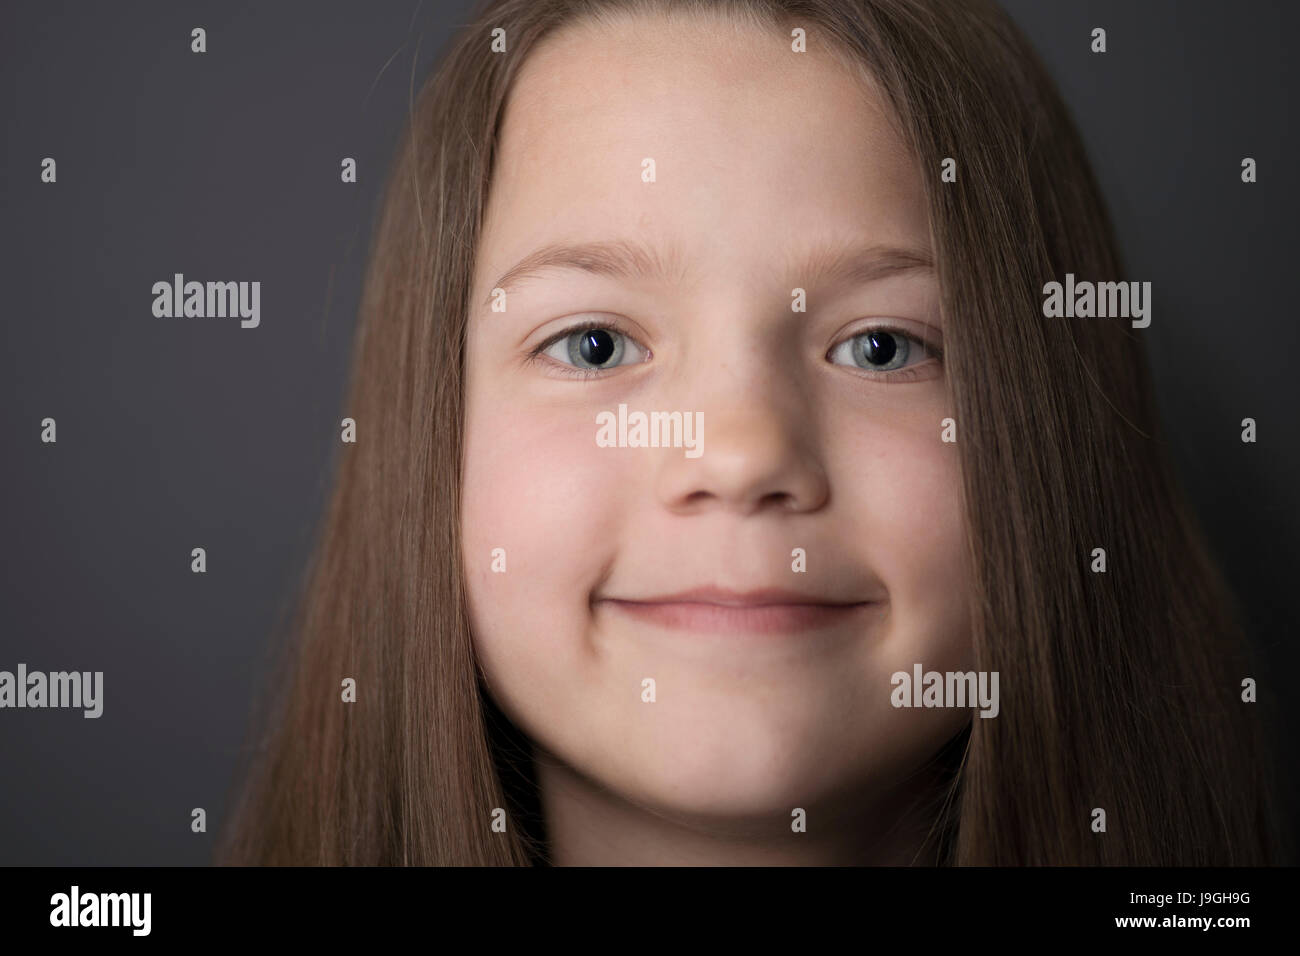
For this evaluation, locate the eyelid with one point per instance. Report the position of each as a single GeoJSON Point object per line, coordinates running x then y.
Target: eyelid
{"type": "Point", "coordinates": [932, 342]}
{"type": "Point", "coordinates": [931, 351]}
{"type": "Point", "coordinates": [609, 324]}
{"type": "Point", "coordinates": [931, 345]}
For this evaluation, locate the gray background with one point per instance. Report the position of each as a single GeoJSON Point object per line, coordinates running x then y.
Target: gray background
{"type": "Point", "coordinates": [177, 433]}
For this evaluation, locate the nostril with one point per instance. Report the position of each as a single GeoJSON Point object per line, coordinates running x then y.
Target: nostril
{"type": "Point", "coordinates": [779, 499]}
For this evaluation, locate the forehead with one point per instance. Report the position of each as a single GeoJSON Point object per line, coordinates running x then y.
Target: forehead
{"type": "Point", "coordinates": [753, 145]}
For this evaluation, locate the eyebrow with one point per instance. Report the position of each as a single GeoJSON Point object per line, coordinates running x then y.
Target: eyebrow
{"type": "Point", "coordinates": [855, 262]}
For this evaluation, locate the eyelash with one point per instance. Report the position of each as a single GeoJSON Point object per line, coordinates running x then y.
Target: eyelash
{"type": "Point", "coordinates": [897, 376]}
{"type": "Point", "coordinates": [572, 371]}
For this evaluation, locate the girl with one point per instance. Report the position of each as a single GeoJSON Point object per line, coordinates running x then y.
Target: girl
{"type": "Point", "coordinates": [916, 587]}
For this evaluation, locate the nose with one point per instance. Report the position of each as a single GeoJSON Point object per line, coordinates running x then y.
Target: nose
{"type": "Point", "coordinates": [758, 453]}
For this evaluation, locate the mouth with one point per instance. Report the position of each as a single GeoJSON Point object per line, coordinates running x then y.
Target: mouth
{"type": "Point", "coordinates": [717, 610]}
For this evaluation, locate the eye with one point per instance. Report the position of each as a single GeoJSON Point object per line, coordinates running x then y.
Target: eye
{"type": "Point", "coordinates": [592, 348]}
{"type": "Point", "coordinates": [883, 350]}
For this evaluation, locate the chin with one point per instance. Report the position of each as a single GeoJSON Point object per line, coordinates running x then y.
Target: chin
{"type": "Point", "coordinates": [735, 777]}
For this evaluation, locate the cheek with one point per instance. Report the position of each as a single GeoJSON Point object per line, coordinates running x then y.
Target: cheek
{"type": "Point", "coordinates": [537, 487]}
{"type": "Point", "coordinates": [905, 513]}
{"type": "Point", "coordinates": [918, 544]}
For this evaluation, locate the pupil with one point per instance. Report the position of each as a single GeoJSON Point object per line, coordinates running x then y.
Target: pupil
{"type": "Point", "coordinates": [880, 347]}
{"type": "Point", "coordinates": [597, 346]}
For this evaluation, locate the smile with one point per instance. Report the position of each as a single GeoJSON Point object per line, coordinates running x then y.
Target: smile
{"type": "Point", "coordinates": [713, 610]}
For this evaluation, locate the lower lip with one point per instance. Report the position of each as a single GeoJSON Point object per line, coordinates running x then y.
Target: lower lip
{"type": "Point", "coordinates": [748, 619]}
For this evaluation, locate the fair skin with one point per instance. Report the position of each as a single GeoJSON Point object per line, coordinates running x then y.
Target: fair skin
{"type": "Point", "coordinates": [762, 157]}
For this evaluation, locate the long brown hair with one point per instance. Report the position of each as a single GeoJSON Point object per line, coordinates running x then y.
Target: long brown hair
{"type": "Point", "coordinates": [1121, 689]}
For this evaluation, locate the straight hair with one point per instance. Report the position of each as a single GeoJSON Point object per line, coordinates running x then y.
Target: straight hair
{"type": "Point", "coordinates": [1122, 690]}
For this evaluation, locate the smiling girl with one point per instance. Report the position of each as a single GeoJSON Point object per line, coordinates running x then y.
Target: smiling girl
{"type": "Point", "coordinates": [820, 230]}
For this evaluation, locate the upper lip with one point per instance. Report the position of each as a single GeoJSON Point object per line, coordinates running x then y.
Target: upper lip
{"type": "Point", "coordinates": [729, 598]}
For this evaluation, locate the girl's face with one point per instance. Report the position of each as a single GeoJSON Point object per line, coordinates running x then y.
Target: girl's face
{"type": "Point", "coordinates": [720, 173]}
